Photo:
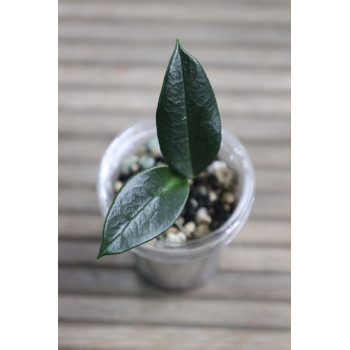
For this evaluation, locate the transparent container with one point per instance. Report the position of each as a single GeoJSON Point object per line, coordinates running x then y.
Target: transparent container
{"type": "Point", "coordinates": [190, 263]}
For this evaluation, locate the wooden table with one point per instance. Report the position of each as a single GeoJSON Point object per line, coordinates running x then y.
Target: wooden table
{"type": "Point", "coordinates": [112, 59]}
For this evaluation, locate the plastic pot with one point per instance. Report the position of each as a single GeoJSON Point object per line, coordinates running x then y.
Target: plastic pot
{"type": "Point", "coordinates": [194, 262]}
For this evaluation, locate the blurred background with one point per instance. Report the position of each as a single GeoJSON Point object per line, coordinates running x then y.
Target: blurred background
{"type": "Point", "coordinates": [112, 60]}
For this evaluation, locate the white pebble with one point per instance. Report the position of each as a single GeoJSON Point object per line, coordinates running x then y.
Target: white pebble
{"type": "Point", "coordinates": [202, 216]}
{"type": "Point", "coordinates": [190, 227]}
{"type": "Point", "coordinates": [134, 168]}
{"type": "Point", "coordinates": [228, 198]}
{"type": "Point", "coordinates": [118, 185]}
{"type": "Point", "coordinates": [172, 229]}
{"type": "Point", "coordinates": [175, 237]}
{"type": "Point", "coordinates": [201, 230]}
{"type": "Point", "coordinates": [226, 178]}
{"type": "Point", "coordinates": [180, 221]}
{"type": "Point", "coordinates": [146, 162]}
{"type": "Point", "coordinates": [127, 163]}
{"type": "Point", "coordinates": [216, 165]}
{"type": "Point", "coordinates": [213, 196]}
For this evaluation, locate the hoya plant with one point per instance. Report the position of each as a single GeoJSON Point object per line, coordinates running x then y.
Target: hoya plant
{"type": "Point", "coordinates": [189, 134]}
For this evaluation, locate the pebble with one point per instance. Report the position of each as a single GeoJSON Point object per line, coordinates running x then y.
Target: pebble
{"type": "Point", "coordinates": [152, 143]}
{"type": "Point", "coordinates": [202, 216]}
{"type": "Point", "coordinates": [117, 185]}
{"type": "Point", "coordinates": [228, 198]}
{"type": "Point", "coordinates": [146, 162]}
{"type": "Point", "coordinates": [201, 231]}
{"type": "Point", "coordinates": [216, 165]}
{"type": "Point", "coordinates": [153, 147]}
{"type": "Point", "coordinates": [127, 163]}
{"type": "Point", "coordinates": [211, 199]}
{"type": "Point", "coordinates": [213, 196]}
{"type": "Point", "coordinates": [190, 227]}
{"type": "Point", "coordinates": [134, 168]}
{"type": "Point", "coordinates": [180, 221]}
{"type": "Point", "coordinates": [226, 178]}
{"type": "Point", "coordinates": [171, 229]}
{"type": "Point", "coordinates": [194, 202]}
{"type": "Point", "coordinates": [226, 207]}
{"type": "Point", "coordinates": [202, 190]}
{"type": "Point", "coordinates": [176, 237]}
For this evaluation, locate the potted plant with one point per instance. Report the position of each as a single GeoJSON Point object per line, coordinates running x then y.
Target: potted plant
{"type": "Point", "coordinates": [176, 217]}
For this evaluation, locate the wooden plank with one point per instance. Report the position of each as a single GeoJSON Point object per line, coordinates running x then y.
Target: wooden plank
{"type": "Point", "coordinates": [107, 126]}
{"type": "Point", "coordinates": [141, 76]}
{"type": "Point", "coordinates": [85, 150]}
{"type": "Point", "coordinates": [111, 53]}
{"type": "Point", "coordinates": [239, 286]}
{"type": "Point", "coordinates": [79, 336]}
{"type": "Point", "coordinates": [146, 102]}
{"type": "Point", "coordinates": [221, 2]}
{"type": "Point", "coordinates": [264, 233]}
{"type": "Point", "coordinates": [170, 12]}
{"type": "Point", "coordinates": [85, 175]}
{"type": "Point", "coordinates": [175, 311]}
{"type": "Point", "coordinates": [255, 259]}
{"type": "Point", "coordinates": [236, 258]}
{"type": "Point", "coordinates": [80, 226]}
{"type": "Point", "coordinates": [255, 232]}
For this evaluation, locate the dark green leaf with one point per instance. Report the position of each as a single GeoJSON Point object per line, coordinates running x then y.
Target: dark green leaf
{"type": "Point", "coordinates": [147, 205]}
{"type": "Point", "coordinates": [188, 120]}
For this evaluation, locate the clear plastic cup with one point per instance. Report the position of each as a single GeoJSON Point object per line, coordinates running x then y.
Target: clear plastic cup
{"type": "Point", "coordinates": [193, 262]}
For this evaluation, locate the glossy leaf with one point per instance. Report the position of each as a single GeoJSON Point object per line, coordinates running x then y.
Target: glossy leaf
{"type": "Point", "coordinates": [147, 205]}
{"type": "Point", "coordinates": [188, 120]}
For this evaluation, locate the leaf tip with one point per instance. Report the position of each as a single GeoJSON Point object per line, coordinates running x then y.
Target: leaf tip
{"type": "Point", "coordinates": [178, 44]}
{"type": "Point", "coordinates": [100, 254]}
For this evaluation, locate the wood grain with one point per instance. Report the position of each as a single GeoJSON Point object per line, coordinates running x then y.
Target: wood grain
{"type": "Point", "coordinates": [175, 311]}
{"type": "Point", "coordinates": [80, 336]}
{"type": "Point", "coordinates": [112, 58]}
{"type": "Point", "coordinates": [237, 12]}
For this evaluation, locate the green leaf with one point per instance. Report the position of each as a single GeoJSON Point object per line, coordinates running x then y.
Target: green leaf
{"type": "Point", "coordinates": [147, 205]}
{"type": "Point", "coordinates": [188, 119]}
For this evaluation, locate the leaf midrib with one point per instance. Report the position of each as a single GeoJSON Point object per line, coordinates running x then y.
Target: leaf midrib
{"type": "Point", "coordinates": [188, 128]}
